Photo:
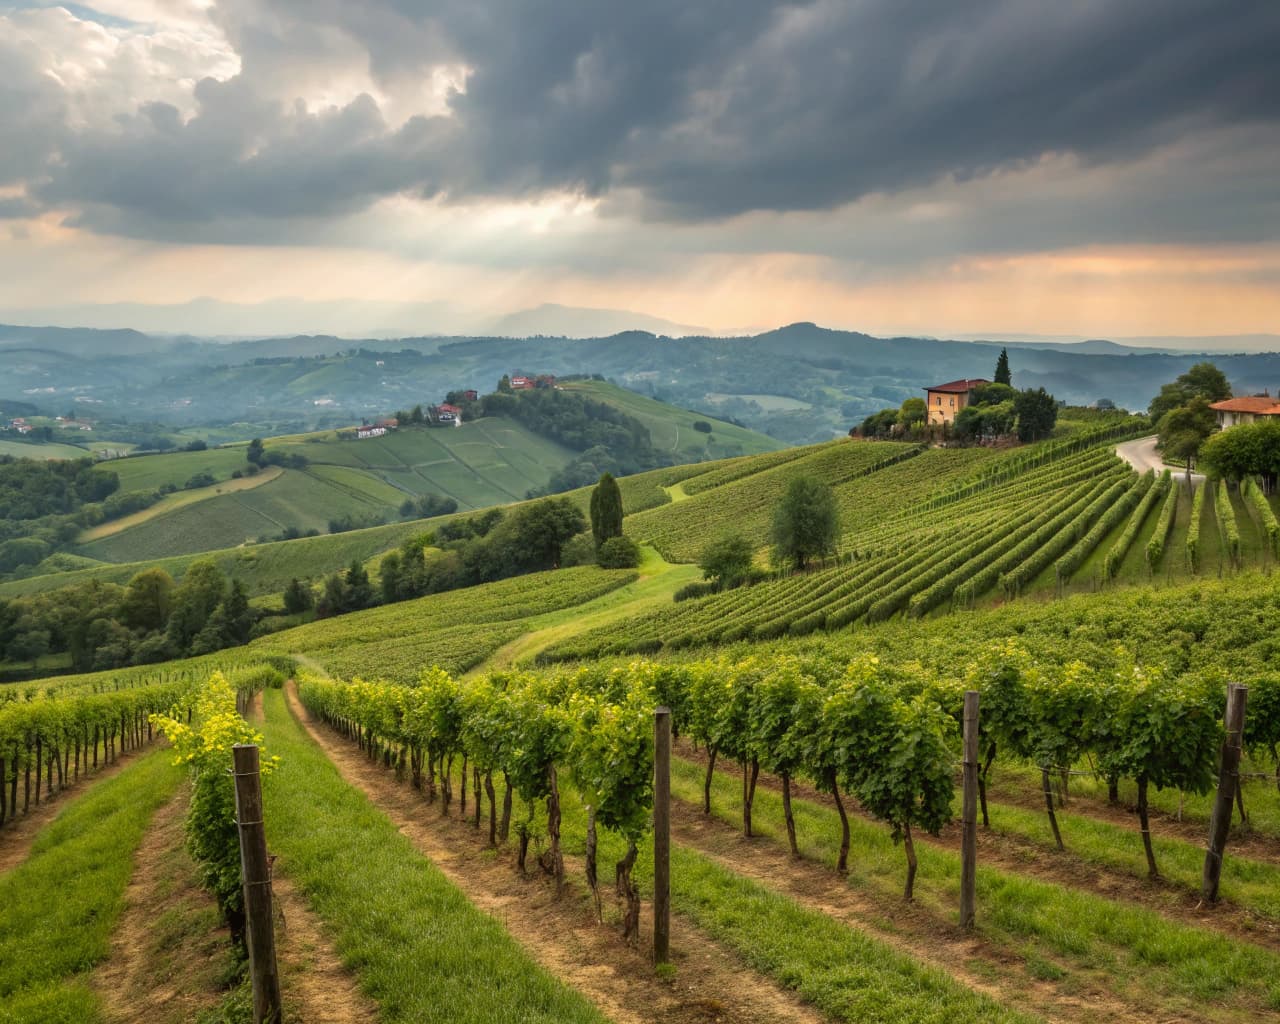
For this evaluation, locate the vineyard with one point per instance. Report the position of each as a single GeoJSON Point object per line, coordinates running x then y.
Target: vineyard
{"type": "Point", "coordinates": [445, 828]}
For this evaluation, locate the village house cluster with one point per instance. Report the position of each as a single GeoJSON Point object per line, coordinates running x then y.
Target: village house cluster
{"type": "Point", "coordinates": [448, 414]}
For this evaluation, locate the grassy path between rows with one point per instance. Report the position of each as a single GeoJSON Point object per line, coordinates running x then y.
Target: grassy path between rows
{"type": "Point", "coordinates": [18, 834]}
{"type": "Point", "coordinates": [419, 948]}
{"type": "Point", "coordinates": [840, 970]}
{"type": "Point", "coordinates": [1173, 968]}
{"type": "Point", "coordinates": [659, 580]}
{"type": "Point", "coordinates": [58, 909]}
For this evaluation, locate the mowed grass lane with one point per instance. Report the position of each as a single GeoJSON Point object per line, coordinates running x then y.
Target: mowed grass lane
{"type": "Point", "coordinates": [57, 909]}
{"type": "Point", "coordinates": [1174, 968]}
{"type": "Point", "coordinates": [418, 947]}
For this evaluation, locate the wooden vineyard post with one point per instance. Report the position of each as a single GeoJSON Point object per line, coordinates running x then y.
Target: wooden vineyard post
{"type": "Point", "coordinates": [662, 835]}
{"type": "Point", "coordinates": [969, 812]}
{"type": "Point", "coordinates": [255, 870]}
{"type": "Point", "coordinates": [1228, 779]}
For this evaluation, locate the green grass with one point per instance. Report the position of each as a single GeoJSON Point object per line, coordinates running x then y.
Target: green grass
{"type": "Point", "coordinates": [455, 630]}
{"type": "Point", "coordinates": [1251, 884]}
{"type": "Point", "coordinates": [671, 429]}
{"type": "Point", "coordinates": [58, 908]}
{"type": "Point", "coordinates": [486, 462]}
{"type": "Point", "coordinates": [1131, 945]}
{"type": "Point", "coordinates": [263, 568]}
{"type": "Point", "coordinates": [418, 947]}
{"type": "Point", "coordinates": [51, 450]}
{"type": "Point", "coordinates": [659, 579]}
{"type": "Point", "coordinates": [148, 472]}
{"type": "Point", "coordinates": [745, 505]}
{"type": "Point", "coordinates": [847, 974]}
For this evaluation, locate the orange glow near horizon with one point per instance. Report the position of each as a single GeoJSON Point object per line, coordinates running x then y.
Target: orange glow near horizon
{"type": "Point", "coordinates": [1094, 292]}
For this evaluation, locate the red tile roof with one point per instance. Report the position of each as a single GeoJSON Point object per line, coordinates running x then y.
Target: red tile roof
{"type": "Point", "coordinates": [1259, 405]}
{"type": "Point", "coordinates": [959, 387]}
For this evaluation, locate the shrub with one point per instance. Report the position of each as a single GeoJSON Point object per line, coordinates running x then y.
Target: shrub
{"type": "Point", "coordinates": [618, 553]}
{"type": "Point", "coordinates": [204, 746]}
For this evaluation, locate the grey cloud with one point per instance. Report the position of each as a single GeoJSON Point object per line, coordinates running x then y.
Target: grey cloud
{"type": "Point", "coordinates": [692, 112]}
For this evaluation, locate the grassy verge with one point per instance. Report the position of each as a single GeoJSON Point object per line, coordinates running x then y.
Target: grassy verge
{"type": "Point", "coordinates": [57, 909]}
{"type": "Point", "coordinates": [843, 972]}
{"type": "Point", "coordinates": [1253, 885]}
{"type": "Point", "coordinates": [659, 580]}
{"type": "Point", "coordinates": [418, 946]}
{"type": "Point", "coordinates": [1126, 946]}
{"type": "Point", "coordinates": [1261, 798]}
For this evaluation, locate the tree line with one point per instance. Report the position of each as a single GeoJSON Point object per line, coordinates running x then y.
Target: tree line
{"type": "Point", "coordinates": [150, 619]}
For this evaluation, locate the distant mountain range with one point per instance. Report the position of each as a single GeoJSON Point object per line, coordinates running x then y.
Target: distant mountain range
{"type": "Point", "coordinates": [800, 383]}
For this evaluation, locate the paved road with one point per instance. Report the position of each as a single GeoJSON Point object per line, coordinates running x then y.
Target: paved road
{"type": "Point", "coordinates": [1142, 456]}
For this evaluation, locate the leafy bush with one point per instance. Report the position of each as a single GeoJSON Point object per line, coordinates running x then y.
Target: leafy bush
{"type": "Point", "coordinates": [619, 553]}
{"type": "Point", "coordinates": [204, 746]}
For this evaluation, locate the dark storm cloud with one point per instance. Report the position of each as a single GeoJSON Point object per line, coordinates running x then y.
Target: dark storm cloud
{"type": "Point", "coordinates": [683, 111]}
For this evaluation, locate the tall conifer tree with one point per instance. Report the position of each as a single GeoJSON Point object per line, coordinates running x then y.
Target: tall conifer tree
{"type": "Point", "coordinates": [1003, 376]}
{"type": "Point", "coordinates": [606, 510]}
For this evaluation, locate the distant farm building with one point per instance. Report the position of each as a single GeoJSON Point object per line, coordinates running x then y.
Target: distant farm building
{"type": "Point", "coordinates": [69, 424]}
{"type": "Point", "coordinates": [20, 425]}
{"type": "Point", "coordinates": [364, 432]}
{"type": "Point", "coordinates": [522, 384]}
{"type": "Point", "coordinates": [1234, 411]}
{"type": "Point", "coordinates": [944, 401]}
{"type": "Point", "coordinates": [390, 422]}
{"type": "Point", "coordinates": [447, 413]}
{"type": "Point", "coordinates": [471, 395]}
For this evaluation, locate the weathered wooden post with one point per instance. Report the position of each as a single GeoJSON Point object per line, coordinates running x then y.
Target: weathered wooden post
{"type": "Point", "coordinates": [1228, 779]}
{"type": "Point", "coordinates": [256, 873]}
{"type": "Point", "coordinates": [969, 812]}
{"type": "Point", "coordinates": [662, 835]}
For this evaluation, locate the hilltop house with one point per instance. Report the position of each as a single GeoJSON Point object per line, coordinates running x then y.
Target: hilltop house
{"type": "Point", "coordinates": [521, 383]}
{"type": "Point", "coordinates": [20, 425]}
{"type": "Point", "coordinates": [1234, 411]}
{"type": "Point", "coordinates": [364, 432]}
{"type": "Point", "coordinates": [944, 401]}
{"type": "Point", "coordinates": [446, 413]}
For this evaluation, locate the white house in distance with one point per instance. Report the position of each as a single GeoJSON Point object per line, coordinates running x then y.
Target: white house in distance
{"type": "Point", "coordinates": [944, 401]}
{"type": "Point", "coordinates": [1253, 409]}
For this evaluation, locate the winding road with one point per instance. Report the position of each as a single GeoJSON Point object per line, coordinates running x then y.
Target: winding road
{"type": "Point", "coordinates": [1142, 456]}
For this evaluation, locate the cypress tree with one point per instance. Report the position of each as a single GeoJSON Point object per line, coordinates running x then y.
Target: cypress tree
{"type": "Point", "coordinates": [606, 510]}
{"type": "Point", "coordinates": [1003, 376]}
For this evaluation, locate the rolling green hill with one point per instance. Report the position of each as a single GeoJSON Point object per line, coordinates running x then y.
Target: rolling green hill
{"type": "Point", "coordinates": [672, 429]}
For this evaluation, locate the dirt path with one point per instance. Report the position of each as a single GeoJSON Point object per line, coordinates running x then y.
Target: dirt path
{"type": "Point", "coordinates": [1027, 795]}
{"type": "Point", "coordinates": [913, 930]}
{"type": "Point", "coordinates": [1017, 855]}
{"type": "Point", "coordinates": [168, 950]}
{"type": "Point", "coordinates": [171, 956]}
{"type": "Point", "coordinates": [17, 835]}
{"type": "Point", "coordinates": [563, 935]}
{"type": "Point", "coordinates": [316, 987]}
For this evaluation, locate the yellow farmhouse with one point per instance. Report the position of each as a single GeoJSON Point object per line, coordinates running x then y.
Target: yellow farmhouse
{"type": "Point", "coordinates": [944, 401]}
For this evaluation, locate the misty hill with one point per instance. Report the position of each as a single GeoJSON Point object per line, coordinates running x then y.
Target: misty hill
{"type": "Point", "coordinates": [801, 383]}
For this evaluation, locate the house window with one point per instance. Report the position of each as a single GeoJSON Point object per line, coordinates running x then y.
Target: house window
{"type": "Point", "coordinates": [953, 403]}
{"type": "Point", "coordinates": [939, 399]}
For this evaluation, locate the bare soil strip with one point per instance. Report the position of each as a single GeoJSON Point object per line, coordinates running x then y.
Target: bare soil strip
{"type": "Point", "coordinates": [316, 987]}
{"type": "Point", "coordinates": [17, 835]}
{"type": "Point", "coordinates": [171, 955]}
{"type": "Point", "coordinates": [1243, 842]}
{"type": "Point", "coordinates": [1024, 857]}
{"type": "Point", "coordinates": [910, 929]}
{"type": "Point", "coordinates": [168, 950]}
{"type": "Point", "coordinates": [563, 935]}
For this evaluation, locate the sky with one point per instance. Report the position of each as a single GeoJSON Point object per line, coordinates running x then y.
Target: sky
{"type": "Point", "coordinates": [1092, 169]}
